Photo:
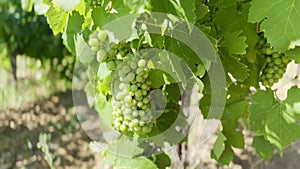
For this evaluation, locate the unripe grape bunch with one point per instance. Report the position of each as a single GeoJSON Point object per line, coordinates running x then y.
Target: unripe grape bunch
{"type": "Point", "coordinates": [275, 66]}
{"type": "Point", "coordinates": [99, 42]}
{"type": "Point", "coordinates": [107, 51]}
{"type": "Point", "coordinates": [131, 105]}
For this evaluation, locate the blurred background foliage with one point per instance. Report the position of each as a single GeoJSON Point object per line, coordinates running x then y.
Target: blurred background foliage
{"type": "Point", "coordinates": [33, 62]}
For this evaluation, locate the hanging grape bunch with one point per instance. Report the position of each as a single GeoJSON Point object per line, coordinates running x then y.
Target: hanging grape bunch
{"type": "Point", "coordinates": [130, 100]}
{"type": "Point", "coordinates": [276, 64]}
{"type": "Point", "coordinates": [131, 105]}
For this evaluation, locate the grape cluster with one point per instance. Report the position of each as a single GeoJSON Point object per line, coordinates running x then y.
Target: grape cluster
{"type": "Point", "coordinates": [98, 42]}
{"type": "Point", "coordinates": [131, 104]}
{"type": "Point", "coordinates": [107, 51]}
{"type": "Point", "coordinates": [276, 64]}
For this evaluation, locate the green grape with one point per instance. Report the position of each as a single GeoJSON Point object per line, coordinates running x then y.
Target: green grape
{"type": "Point", "coordinates": [102, 36]}
{"type": "Point", "coordinates": [134, 114]}
{"type": "Point", "coordinates": [101, 55]}
{"type": "Point", "coordinates": [268, 51]}
{"type": "Point", "coordinates": [275, 63]}
{"type": "Point", "coordinates": [93, 42]}
{"type": "Point", "coordinates": [111, 65]}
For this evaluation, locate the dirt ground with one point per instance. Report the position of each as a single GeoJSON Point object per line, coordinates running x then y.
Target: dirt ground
{"type": "Point", "coordinates": [20, 130]}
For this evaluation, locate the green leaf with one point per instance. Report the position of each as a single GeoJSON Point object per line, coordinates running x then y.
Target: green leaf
{"type": "Point", "coordinates": [189, 9]}
{"type": "Point", "coordinates": [73, 27]}
{"type": "Point", "coordinates": [57, 19]}
{"type": "Point", "coordinates": [162, 161]}
{"type": "Point", "coordinates": [67, 5]}
{"type": "Point", "coordinates": [183, 51]}
{"type": "Point", "coordinates": [135, 163]}
{"type": "Point", "coordinates": [121, 154]}
{"type": "Point", "coordinates": [125, 147]}
{"type": "Point", "coordinates": [263, 148]}
{"type": "Point", "coordinates": [156, 78]}
{"type": "Point", "coordinates": [102, 17]}
{"type": "Point", "coordinates": [172, 92]}
{"type": "Point", "coordinates": [201, 10]}
{"type": "Point", "coordinates": [236, 139]}
{"type": "Point", "coordinates": [254, 72]}
{"type": "Point", "coordinates": [234, 43]}
{"type": "Point", "coordinates": [231, 20]}
{"type": "Point", "coordinates": [175, 67]}
{"type": "Point", "coordinates": [83, 51]}
{"type": "Point", "coordinates": [272, 119]}
{"type": "Point", "coordinates": [165, 6]}
{"type": "Point", "coordinates": [294, 54]}
{"type": "Point", "coordinates": [104, 109]}
{"type": "Point", "coordinates": [219, 146]}
{"type": "Point", "coordinates": [227, 155]}
{"type": "Point", "coordinates": [280, 21]}
{"type": "Point", "coordinates": [237, 69]}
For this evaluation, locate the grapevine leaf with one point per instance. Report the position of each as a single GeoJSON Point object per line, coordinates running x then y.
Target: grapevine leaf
{"type": "Point", "coordinates": [280, 21]}
{"type": "Point", "coordinates": [104, 109]}
{"type": "Point", "coordinates": [272, 118]}
{"type": "Point", "coordinates": [103, 71]}
{"type": "Point", "coordinates": [83, 51]}
{"type": "Point", "coordinates": [162, 161]}
{"type": "Point", "coordinates": [263, 148]}
{"type": "Point", "coordinates": [173, 66]}
{"type": "Point", "coordinates": [254, 72]}
{"type": "Point", "coordinates": [73, 27]}
{"type": "Point", "coordinates": [227, 3]}
{"type": "Point", "coordinates": [238, 70]}
{"type": "Point", "coordinates": [172, 92]}
{"type": "Point", "coordinates": [57, 19]}
{"type": "Point", "coordinates": [201, 10]}
{"type": "Point", "coordinates": [182, 51]}
{"type": "Point", "coordinates": [236, 139]}
{"type": "Point", "coordinates": [234, 43]}
{"type": "Point", "coordinates": [67, 5]}
{"type": "Point", "coordinates": [294, 54]}
{"type": "Point", "coordinates": [140, 162]}
{"type": "Point", "coordinates": [125, 147]}
{"type": "Point", "coordinates": [122, 154]}
{"type": "Point", "coordinates": [163, 6]}
{"type": "Point", "coordinates": [182, 8]}
{"type": "Point", "coordinates": [89, 89]}
{"type": "Point", "coordinates": [219, 146]}
{"type": "Point", "coordinates": [231, 20]}
{"type": "Point", "coordinates": [102, 17]}
{"type": "Point", "coordinates": [226, 156]}
{"type": "Point", "coordinates": [189, 9]}
{"type": "Point", "coordinates": [156, 78]}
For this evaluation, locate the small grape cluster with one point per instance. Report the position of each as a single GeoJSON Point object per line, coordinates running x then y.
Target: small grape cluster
{"type": "Point", "coordinates": [98, 42]}
{"type": "Point", "coordinates": [131, 104]}
{"type": "Point", "coordinates": [276, 64]}
{"type": "Point", "coordinates": [107, 51]}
